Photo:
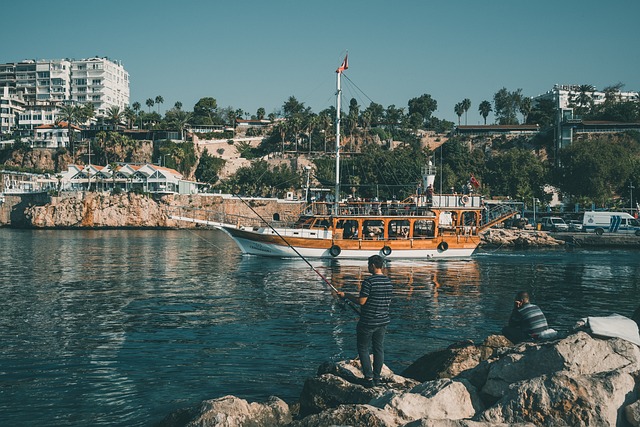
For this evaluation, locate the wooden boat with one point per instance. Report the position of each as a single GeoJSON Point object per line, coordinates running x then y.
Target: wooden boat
{"type": "Point", "coordinates": [419, 227]}
{"type": "Point", "coordinates": [445, 226]}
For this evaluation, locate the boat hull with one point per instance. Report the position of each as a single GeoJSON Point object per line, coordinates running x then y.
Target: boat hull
{"type": "Point", "coordinates": [271, 244]}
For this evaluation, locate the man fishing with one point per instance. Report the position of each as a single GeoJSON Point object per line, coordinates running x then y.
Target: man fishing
{"type": "Point", "coordinates": [374, 300]}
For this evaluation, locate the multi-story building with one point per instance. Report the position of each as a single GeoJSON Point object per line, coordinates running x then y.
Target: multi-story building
{"type": "Point", "coordinates": [11, 106]}
{"type": "Point", "coordinates": [569, 99]}
{"type": "Point", "coordinates": [44, 85]}
{"type": "Point", "coordinates": [102, 82]}
{"type": "Point", "coordinates": [568, 96]}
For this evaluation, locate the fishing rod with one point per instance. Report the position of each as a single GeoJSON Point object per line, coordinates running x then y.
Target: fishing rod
{"type": "Point", "coordinates": [335, 291]}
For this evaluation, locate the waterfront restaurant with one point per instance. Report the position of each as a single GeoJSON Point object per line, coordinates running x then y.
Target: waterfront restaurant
{"type": "Point", "coordinates": [145, 178]}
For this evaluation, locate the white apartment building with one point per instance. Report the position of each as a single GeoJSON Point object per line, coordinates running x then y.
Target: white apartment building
{"type": "Point", "coordinates": [10, 108]}
{"type": "Point", "coordinates": [103, 82]}
{"type": "Point", "coordinates": [43, 85]}
{"type": "Point", "coordinates": [565, 96]}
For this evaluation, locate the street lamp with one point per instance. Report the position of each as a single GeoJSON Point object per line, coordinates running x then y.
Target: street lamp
{"type": "Point", "coordinates": [534, 210]}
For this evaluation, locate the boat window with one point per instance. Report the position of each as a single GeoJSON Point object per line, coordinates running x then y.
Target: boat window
{"type": "Point", "coordinates": [321, 223]}
{"type": "Point", "coordinates": [373, 229]}
{"type": "Point", "coordinates": [350, 228]}
{"type": "Point", "coordinates": [469, 218]}
{"type": "Point", "coordinates": [423, 229]}
{"type": "Point", "coordinates": [276, 216]}
{"type": "Point", "coordinates": [399, 229]}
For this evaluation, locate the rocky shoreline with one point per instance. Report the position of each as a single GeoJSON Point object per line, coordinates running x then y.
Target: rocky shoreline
{"type": "Point", "coordinates": [576, 380]}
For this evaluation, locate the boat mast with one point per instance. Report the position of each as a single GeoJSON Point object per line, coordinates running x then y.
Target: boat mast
{"type": "Point", "coordinates": [344, 66]}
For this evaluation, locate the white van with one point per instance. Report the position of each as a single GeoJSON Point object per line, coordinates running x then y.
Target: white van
{"type": "Point", "coordinates": [610, 222]}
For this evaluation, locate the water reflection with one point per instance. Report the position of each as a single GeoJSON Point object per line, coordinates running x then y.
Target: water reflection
{"type": "Point", "coordinates": [120, 327]}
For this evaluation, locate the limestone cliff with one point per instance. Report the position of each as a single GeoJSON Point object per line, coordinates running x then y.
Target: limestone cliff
{"type": "Point", "coordinates": [129, 210]}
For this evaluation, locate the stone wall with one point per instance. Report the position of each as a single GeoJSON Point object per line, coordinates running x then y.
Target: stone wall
{"type": "Point", "coordinates": [106, 210]}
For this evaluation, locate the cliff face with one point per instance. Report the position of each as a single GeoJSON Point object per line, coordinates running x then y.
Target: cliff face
{"type": "Point", "coordinates": [106, 210]}
{"type": "Point", "coordinates": [98, 210]}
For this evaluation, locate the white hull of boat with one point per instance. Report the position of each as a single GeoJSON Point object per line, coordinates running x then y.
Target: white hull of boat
{"type": "Point", "coordinates": [255, 247]}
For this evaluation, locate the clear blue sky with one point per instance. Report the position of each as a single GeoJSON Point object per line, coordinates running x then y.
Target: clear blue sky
{"type": "Point", "coordinates": [250, 54]}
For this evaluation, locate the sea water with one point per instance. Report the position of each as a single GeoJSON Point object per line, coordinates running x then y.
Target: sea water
{"type": "Point", "coordinates": [121, 327]}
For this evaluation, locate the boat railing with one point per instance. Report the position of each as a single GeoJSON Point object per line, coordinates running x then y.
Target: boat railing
{"type": "Point", "coordinates": [415, 205]}
{"type": "Point", "coordinates": [498, 212]}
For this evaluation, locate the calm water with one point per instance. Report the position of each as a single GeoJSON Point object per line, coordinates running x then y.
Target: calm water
{"type": "Point", "coordinates": [122, 327]}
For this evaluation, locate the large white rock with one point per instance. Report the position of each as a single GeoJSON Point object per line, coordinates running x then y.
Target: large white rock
{"type": "Point", "coordinates": [565, 398]}
{"type": "Point", "coordinates": [578, 353]}
{"type": "Point", "coordinates": [438, 399]}
{"type": "Point", "coordinates": [231, 411]}
{"type": "Point", "coordinates": [350, 415]}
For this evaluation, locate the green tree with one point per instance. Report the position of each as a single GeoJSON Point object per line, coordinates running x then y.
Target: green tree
{"type": "Point", "coordinates": [597, 169]}
{"type": "Point", "coordinates": [466, 104]}
{"type": "Point", "coordinates": [159, 100]}
{"type": "Point", "coordinates": [459, 110]}
{"type": "Point", "coordinates": [205, 112]}
{"type": "Point", "coordinates": [150, 103]}
{"type": "Point", "coordinates": [114, 116]}
{"type": "Point", "coordinates": [424, 105]}
{"type": "Point", "coordinates": [292, 107]}
{"type": "Point", "coordinates": [525, 108]}
{"type": "Point", "coordinates": [178, 105]}
{"type": "Point", "coordinates": [543, 113]}
{"type": "Point", "coordinates": [485, 108]}
{"type": "Point", "coordinates": [506, 105]}
{"type": "Point", "coordinates": [260, 113]}
{"type": "Point", "coordinates": [517, 173]}
{"type": "Point", "coordinates": [209, 168]}
{"type": "Point", "coordinates": [137, 107]}
{"type": "Point", "coordinates": [70, 114]}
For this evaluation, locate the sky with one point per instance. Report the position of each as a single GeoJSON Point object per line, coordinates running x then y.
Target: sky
{"type": "Point", "coordinates": [250, 54]}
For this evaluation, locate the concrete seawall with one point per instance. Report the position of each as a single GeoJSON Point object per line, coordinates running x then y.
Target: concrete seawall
{"type": "Point", "coordinates": [607, 240]}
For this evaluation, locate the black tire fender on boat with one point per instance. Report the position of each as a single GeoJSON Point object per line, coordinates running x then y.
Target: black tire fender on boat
{"type": "Point", "coordinates": [443, 246]}
{"type": "Point", "coordinates": [335, 250]}
{"type": "Point", "coordinates": [386, 250]}
{"type": "Point", "coordinates": [464, 200]}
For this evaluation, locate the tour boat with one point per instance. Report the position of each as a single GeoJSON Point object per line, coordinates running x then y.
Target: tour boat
{"type": "Point", "coordinates": [423, 226]}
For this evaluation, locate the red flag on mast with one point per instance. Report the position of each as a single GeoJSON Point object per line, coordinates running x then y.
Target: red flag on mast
{"type": "Point", "coordinates": [474, 181]}
{"type": "Point", "coordinates": [344, 65]}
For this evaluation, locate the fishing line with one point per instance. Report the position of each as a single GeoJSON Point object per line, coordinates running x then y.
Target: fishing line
{"type": "Point", "coordinates": [206, 240]}
{"type": "Point", "coordinates": [348, 302]}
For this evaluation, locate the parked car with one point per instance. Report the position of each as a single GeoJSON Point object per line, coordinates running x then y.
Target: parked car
{"type": "Point", "coordinates": [553, 223]}
{"type": "Point", "coordinates": [575, 225]}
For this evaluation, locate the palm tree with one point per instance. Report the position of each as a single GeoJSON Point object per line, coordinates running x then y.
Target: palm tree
{"type": "Point", "coordinates": [459, 110]}
{"type": "Point", "coordinates": [181, 120]}
{"type": "Point", "coordinates": [88, 111]}
{"type": "Point", "coordinates": [159, 100]}
{"type": "Point", "coordinates": [281, 128]}
{"type": "Point", "coordinates": [485, 108]}
{"type": "Point", "coordinates": [136, 107]}
{"type": "Point", "coordinates": [178, 105]}
{"type": "Point", "coordinates": [466, 104]}
{"type": "Point", "coordinates": [260, 113]}
{"type": "Point", "coordinates": [130, 115]}
{"type": "Point", "coordinates": [69, 113]}
{"type": "Point", "coordinates": [114, 116]}
{"type": "Point", "coordinates": [149, 104]}
{"type": "Point", "coordinates": [525, 108]}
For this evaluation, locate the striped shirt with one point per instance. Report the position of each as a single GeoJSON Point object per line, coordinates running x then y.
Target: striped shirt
{"type": "Point", "coordinates": [530, 319]}
{"type": "Point", "coordinates": [377, 289]}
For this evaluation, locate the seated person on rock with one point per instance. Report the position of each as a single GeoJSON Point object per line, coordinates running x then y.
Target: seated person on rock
{"type": "Point", "coordinates": [527, 322]}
